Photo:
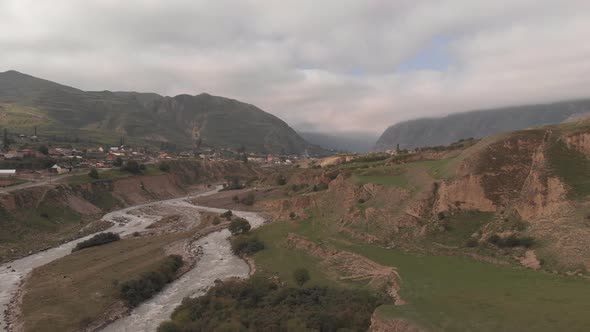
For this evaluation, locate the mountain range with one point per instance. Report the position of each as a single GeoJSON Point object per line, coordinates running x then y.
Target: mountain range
{"type": "Point", "coordinates": [183, 121]}
{"type": "Point", "coordinates": [443, 131]}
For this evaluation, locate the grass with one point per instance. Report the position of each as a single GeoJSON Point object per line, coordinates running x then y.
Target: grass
{"type": "Point", "coordinates": [460, 227]}
{"type": "Point", "coordinates": [393, 180]}
{"type": "Point", "coordinates": [70, 292]}
{"type": "Point", "coordinates": [572, 167]}
{"type": "Point", "coordinates": [112, 174]}
{"type": "Point", "coordinates": [277, 259]}
{"type": "Point", "coordinates": [447, 293]}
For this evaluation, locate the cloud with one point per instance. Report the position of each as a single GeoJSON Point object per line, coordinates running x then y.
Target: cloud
{"type": "Point", "coordinates": [332, 63]}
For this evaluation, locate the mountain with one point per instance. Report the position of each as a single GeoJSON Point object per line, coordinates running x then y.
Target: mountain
{"type": "Point", "coordinates": [359, 142]}
{"type": "Point", "coordinates": [477, 124]}
{"type": "Point", "coordinates": [141, 118]}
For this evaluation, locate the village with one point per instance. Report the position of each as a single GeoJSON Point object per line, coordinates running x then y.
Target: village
{"type": "Point", "coordinates": [26, 158]}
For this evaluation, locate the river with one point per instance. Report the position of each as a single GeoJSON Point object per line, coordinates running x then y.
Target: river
{"type": "Point", "coordinates": [217, 262]}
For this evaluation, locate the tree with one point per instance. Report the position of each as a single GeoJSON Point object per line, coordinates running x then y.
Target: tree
{"type": "Point", "coordinates": [118, 162]}
{"type": "Point", "coordinates": [44, 149]}
{"type": "Point", "coordinates": [227, 215]}
{"type": "Point", "coordinates": [239, 226]}
{"type": "Point", "coordinates": [301, 276]}
{"type": "Point", "coordinates": [133, 167]}
{"type": "Point", "coordinates": [164, 167]}
{"type": "Point", "coordinates": [93, 173]}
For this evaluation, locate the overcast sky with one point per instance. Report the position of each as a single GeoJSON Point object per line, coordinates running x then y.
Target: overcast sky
{"type": "Point", "coordinates": [335, 65]}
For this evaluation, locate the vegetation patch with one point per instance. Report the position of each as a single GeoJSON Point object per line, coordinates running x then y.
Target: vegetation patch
{"type": "Point", "coordinates": [246, 245]}
{"type": "Point", "coordinates": [260, 305]}
{"type": "Point", "coordinates": [572, 167]}
{"type": "Point", "coordinates": [135, 291]}
{"type": "Point", "coordinates": [97, 240]}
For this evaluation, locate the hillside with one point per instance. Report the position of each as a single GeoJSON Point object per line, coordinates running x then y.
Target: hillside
{"type": "Point", "coordinates": [451, 234]}
{"type": "Point", "coordinates": [141, 118]}
{"type": "Point", "coordinates": [477, 124]}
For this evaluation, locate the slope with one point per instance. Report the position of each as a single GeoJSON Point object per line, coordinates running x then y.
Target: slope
{"type": "Point", "coordinates": [183, 121]}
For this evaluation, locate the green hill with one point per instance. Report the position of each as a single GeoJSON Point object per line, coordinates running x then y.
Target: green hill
{"type": "Point", "coordinates": [142, 118]}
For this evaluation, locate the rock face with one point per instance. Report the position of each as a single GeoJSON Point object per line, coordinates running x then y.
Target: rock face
{"type": "Point", "coordinates": [443, 131]}
{"type": "Point", "coordinates": [184, 121]}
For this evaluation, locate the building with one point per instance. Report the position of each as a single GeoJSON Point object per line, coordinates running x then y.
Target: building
{"type": "Point", "coordinates": [7, 173]}
{"type": "Point", "coordinates": [56, 169]}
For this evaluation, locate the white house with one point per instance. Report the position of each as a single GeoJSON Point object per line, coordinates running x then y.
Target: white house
{"type": "Point", "coordinates": [7, 172]}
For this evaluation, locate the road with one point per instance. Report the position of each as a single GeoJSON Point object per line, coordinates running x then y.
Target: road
{"type": "Point", "coordinates": [52, 179]}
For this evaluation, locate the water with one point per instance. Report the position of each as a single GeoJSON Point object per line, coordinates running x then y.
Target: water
{"type": "Point", "coordinates": [217, 262]}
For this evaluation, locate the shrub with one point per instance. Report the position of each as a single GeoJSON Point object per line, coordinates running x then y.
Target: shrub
{"type": "Point", "coordinates": [164, 167]}
{"type": "Point", "coordinates": [292, 215]}
{"type": "Point", "coordinates": [97, 240]}
{"type": "Point", "coordinates": [236, 199]}
{"type": "Point", "coordinates": [246, 245]}
{"type": "Point", "coordinates": [301, 276]}
{"type": "Point", "coordinates": [93, 173]}
{"type": "Point", "coordinates": [239, 226]}
{"type": "Point", "coordinates": [511, 241]}
{"type": "Point", "coordinates": [118, 162]}
{"type": "Point", "coordinates": [44, 149]}
{"type": "Point", "coordinates": [227, 214]}
{"type": "Point", "coordinates": [216, 221]}
{"type": "Point", "coordinates": [471, 243]}
{"type": "Point", "coordinates": [249, 199]}
{"type": "Point", "coordinates": [281, 180]}
{"type": "Point", "coordinates": [135, 291]}
{"type": "Point", "coordinates": [361, 201]}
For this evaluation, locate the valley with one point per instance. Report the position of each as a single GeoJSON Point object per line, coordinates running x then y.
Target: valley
{"type": "Point", "coordinates": [482, 234]}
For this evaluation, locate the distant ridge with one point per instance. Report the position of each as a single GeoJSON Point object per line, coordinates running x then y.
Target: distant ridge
{"type": "Point", "coordinates": [448, 129]}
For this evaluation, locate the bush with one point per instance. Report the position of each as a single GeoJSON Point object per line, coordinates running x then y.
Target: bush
{"type": "Point", "coordinates": [471, 243]}
{"type": "Point", "coordinates": [93, 173]}
{"type": "Point", "coordinates": [135, 291]}
{"type": "Point", "coordinates": [236, 199]}
{"type": "Point", "coordinates": [216, 221]}
{"type": "Point", "coordinates": [292, 215]}
{"type": "Point", "coordinates": [511, 241]}
{"type": "Point", "coordinates": [118, 162]}
{"type": "Point", "coordinates": [239, 226]}
{"type": "Point", "coordinates": [246, 245]}
{"type": "Point", "coordinates": [164, 167]}
{"type": "Point", "coordinates": [133, 167]}
{"type": "Point", "coordinates": [44, 149]}
{"type": "Point", "coordinates": [227, 214]}
{"type": "Point", "coordinates": [249, 199]}
{"type": "Point", "coordinates": [97, 240]}
{"type": "Point", "coordinates": [301, 276]}
{"type": "Point", "coordinates": [361, 201]}
{"type": "Point", "coordinates": [281, 180]}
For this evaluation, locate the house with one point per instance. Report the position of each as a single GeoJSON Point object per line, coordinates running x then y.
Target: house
{"type": "Point", "coordinates": [56, 169]}
{"type": "Point", "coordinates": [6, 173]}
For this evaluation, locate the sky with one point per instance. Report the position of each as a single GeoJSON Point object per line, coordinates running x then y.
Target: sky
{"type": "Point", "coordinates": [331, 66]}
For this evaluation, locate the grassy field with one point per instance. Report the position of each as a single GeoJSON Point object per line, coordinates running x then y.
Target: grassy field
{"type": "Point", "coordinates": [69, 293]}
{"type": "Point", "coordinates": [445, 293]}
{"type": "Point", "coordinates": [112, 174]}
